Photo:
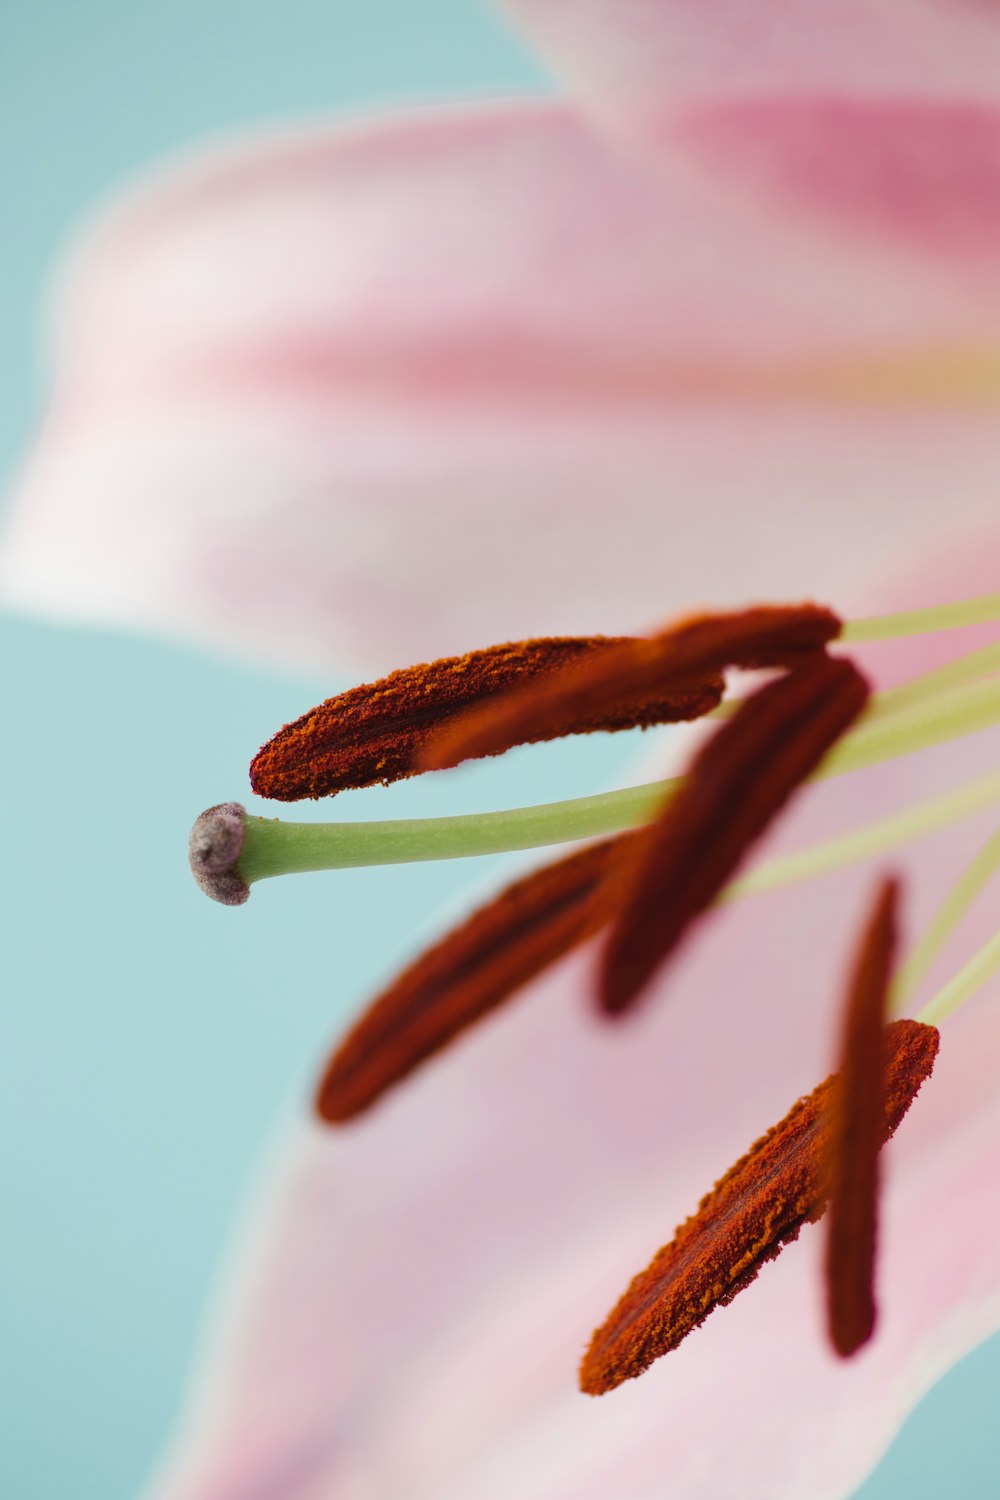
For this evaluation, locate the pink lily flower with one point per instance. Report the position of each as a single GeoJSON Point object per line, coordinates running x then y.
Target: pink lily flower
{"type": "Point", "coordinates": [374, 394]}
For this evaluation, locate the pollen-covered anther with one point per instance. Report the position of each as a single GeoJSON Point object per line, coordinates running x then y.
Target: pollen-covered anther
{"type": "Point", "coordinates": [468, 973]}
{"type": "Point", "coordinates": [758, 1207]}
{"type": "Point", "coordinates": [214, 848]}
{"type": "Point", "coordinates": [689, 651]}
{"type": "Point", "coordinates": [855, 1134]}
{"type": "Point", "coordinates": [736, 785]}
{"type": "Point", "coordinates": [378, 732]}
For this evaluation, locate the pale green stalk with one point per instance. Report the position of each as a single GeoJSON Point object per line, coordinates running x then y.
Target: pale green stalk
{"type": "Point", "coordinates": [871, 841]}
{"type": "Point", "coordinates": [972, 881]}
{"type": "Point", "coordinates": [942, 679]}
{"type": "Point", "coordinates": [981, 611]}
{"type": "Point", "coordinates": [980, 968]}
{"type": "Point", "coordinates": [273, 847]}
{"type": "Point", "coordinates": [916, 726]}
{"type": "Point", "coordinates": [276, 848]}
{"type": "Point", "coordinates": [964, 669]}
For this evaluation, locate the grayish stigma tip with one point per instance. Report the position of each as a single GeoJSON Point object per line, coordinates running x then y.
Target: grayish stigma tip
{"type": "Point", "coordinates": [214, 848]}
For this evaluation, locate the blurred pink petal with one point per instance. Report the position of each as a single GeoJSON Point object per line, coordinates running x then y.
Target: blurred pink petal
{"type": "Point", "coordinates": [646, 50]}
{"type": "Point", "coordinates": [378, 393]}
{"type": "Point", "coordinates": [409, 1314]}
{"type": "Point", "coordinates": [880, 120]}
{"type": "Point", "coordinates": [924, 177]}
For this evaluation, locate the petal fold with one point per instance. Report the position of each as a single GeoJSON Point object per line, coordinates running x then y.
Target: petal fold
{"type": "Point", "coordinates": [648, 50]}
{"type": "Point", "coordinates": [879, 121]}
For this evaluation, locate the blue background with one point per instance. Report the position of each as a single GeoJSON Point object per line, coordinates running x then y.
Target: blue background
{"type": "Point", "coordinates": [149, 1038]}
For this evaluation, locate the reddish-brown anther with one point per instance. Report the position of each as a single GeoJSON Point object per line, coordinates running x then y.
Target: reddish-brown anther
{"type": "Point", "coordinates": [855, 1134]}
{"type": "Point", "coordinates": [736, 785]}
{"type": "Point", "coordinates": [757, 1208]}
{"type": "Point", "coordinates": [468, 973]}
{"type": "Point", "coordinates": [378, 732]}
{"type": "Point", "coordinates": [689, 651]}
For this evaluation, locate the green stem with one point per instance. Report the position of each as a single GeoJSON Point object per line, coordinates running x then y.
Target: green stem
{"type": "Point", "coordinates": [273, 847]}
{"type": "Point", "coordinates": [980, 611]}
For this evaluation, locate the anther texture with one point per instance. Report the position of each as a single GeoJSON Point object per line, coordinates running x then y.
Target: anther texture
{"type": "Point", "coordinates": [640, 669]}
{"type": "Point", "coordinates": [758, 1207]}
{"type": "Point", "coordinates": [736, 785]}
{"type": "Point", "coordinates": [855, 1136]}
{"type": "Point", "coordinates": [377, 732]}
{"type": "Point", "coordinates": [468, 973]}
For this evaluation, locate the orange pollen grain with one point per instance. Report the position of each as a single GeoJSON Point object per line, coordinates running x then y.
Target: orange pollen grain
{"type": "Point", "coordinates": [758, 1207]}
{"type": "Point", "coordinates": [734, 788]}
{"type": "Point", "coordinates": [468, 973]}
{"type": "Point", "coordinates": [378, 732]}
{"type": "Point", "coordinates": [692, 650]}
{"type": "Point", "coordinates": [855, 1134]}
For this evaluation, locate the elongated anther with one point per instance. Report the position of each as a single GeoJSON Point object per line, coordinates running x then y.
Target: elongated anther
{"type": "Point", "coordinates": [214, 848]}
{"type": "Point", "coordinates": [691, 650]}
{"type": "Point", "coordinates": [856, 1134]}
{"type": "Point", "coordinates": [378, 732]}
{"type": "Point", "coordinates": [758, 1207]}
{"type": "Point", "coordinates": [736, 785]}
{"type": "Point", "coordinates": [469, 973]}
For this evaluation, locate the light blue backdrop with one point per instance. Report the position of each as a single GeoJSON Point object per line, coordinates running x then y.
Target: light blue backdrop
{"type": "Point", "coordinates": [148, 1037]}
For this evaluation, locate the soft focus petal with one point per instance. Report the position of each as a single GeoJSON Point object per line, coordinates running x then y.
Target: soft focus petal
{"type": "Point", "coordinates": [879, 119]}
{"type": "Point", "coordinates": [921, 177]}
{"type": "Point", "coordinates": [383, 393]}
{"type": "Point", "coordinates": [410, 1317]}
{"type": "Point", "coordinates": [638, 51]}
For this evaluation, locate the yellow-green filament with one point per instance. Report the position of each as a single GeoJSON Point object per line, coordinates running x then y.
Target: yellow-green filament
{"type": "Point", "coordinates": [969, 979]}
{"type": "Point", "coordinates": [964, 669]}
{"type": "Point", "coordinates": [941, 680]}
{"type": "Point", "coordinates": [871, 841]}
{"type": "Point", "coordinates": [916, 726]}
{"type": "Point", "coordinates": [979, 611]}
{"type": "Point", "coordinates": [973, 879]}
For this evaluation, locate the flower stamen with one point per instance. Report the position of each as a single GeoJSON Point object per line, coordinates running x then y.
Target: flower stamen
{"type": "Point", "coordinates": [468, 973]}
{"type": "Point", "coordinates": [378, 732]}
{"type": "Point", "coordinates": [766, 636]}
{"type": "Point", "coordinates": [737, 783]}
{"type": "Point", "coordinates": [855, 1134]}
{"type": "Point", "coordinates": [758, 1207]}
